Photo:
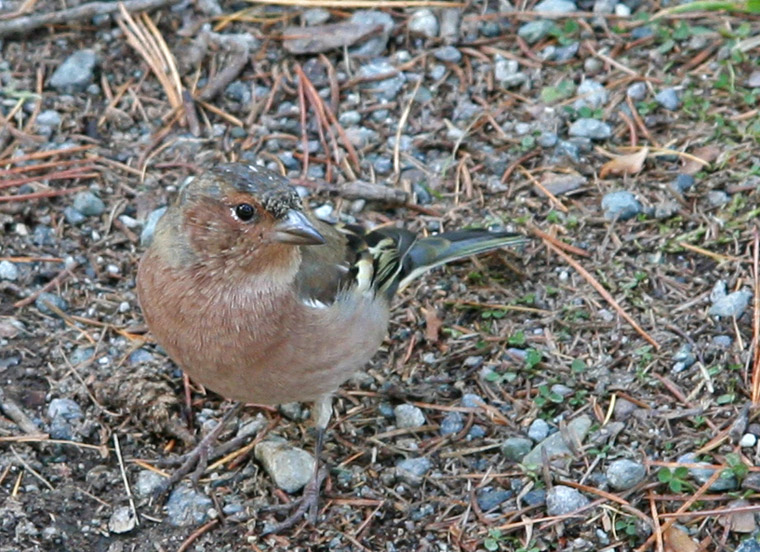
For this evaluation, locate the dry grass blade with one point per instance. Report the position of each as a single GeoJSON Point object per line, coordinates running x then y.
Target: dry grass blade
{"type": "Point", "coordinates": [147, 41]}
{"type": "Point", "coordinates": [756, 320]}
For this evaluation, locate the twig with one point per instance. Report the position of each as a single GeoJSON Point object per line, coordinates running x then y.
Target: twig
{"type": "Point", "coordinates": [31, 470]}
{"type": "Point", "coordinates": [130, 497]}
{"type": "Point", "coordinates": [11, 409]}
{"type": "Point", "coordinates": [51, 284]}
{"type": "Point", "coordinates": [29, 23]}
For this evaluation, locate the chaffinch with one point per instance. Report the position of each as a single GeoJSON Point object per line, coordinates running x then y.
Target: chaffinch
{"type": "Point", "coordinates": [261, 302]}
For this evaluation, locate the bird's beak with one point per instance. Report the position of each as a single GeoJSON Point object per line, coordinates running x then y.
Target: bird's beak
{"type": "Point", "coordinates": [296, 229]}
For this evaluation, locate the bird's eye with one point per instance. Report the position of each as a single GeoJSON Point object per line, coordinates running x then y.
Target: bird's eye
{"type": "Point", "coordinates": [245, 212]}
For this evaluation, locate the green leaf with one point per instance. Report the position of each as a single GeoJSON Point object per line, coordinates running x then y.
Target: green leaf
{"type": "Point", "coordinates": [664, 475]}
{"type": "Point", "coordinates": [577, 366]}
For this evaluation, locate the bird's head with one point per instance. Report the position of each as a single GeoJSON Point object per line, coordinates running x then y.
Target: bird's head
{"type": "Point", "coordinates": [244, 216]}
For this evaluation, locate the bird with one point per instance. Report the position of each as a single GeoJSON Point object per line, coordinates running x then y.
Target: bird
{"type": "Point", "coordinates": [258, 300]}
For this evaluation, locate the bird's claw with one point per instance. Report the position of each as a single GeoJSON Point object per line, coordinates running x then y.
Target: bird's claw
{"type": "Point", "coordinates": [308, 502]}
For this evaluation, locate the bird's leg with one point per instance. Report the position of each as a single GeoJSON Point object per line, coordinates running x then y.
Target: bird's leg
{"type": "Point", "coordinates": [309, 500]}
{"type": "Point", "coordinates": [196, 460]}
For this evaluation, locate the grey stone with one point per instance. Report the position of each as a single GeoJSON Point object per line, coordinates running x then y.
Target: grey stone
{"type": "Point", "coordinates": [561, 500]}
{"type": "Point", "coordinates": [734, 304]}
{"type": "Point", "coordinates": [408, 416]}
{"type": "Point", "coordinates": [726, 482]}
{"type": "Point", "coordinates": [682, 182]}
{"type": "Point", "coordinates": [637, 91]}
{"type": "Point", "coordinates": [376, 44]}
{"type": "Point", "coordinates": [717, 198]}
{"type": "Point", "coordinates": [538, 430]}
{"type": "Point", "coordinates": [89, 204]}
{"type": "Point", "coordinates": [386, 89]}
{"type": "Point", "coordinates": [476, 432]}
{"type": "Point", "coordinates": [73, 216]}
{"type": "Point", "coordinates": [683, 358]}
{"type": "Point", "coordinates": [63, 414]}
{"type": "Point", "coordinates": [514, 449]}
{"type": "Point", "coordinates": [562, 390]}
{"type": "Point", "coordinates": [567, 52]}
{"type": "Point", "coordinates": [451, 19]}
{"type": "Point", "coordinates": [81, 354]}
{"type": "Point", "coordinates": [315, 16]}
{"type": "Point", "coordinates": [535, 497]}
{"type": "Point", "coordinates": [623, 474]}
{"type": "Point", "coordinates": [489, 499]}
{"type": "Point", "coordinates": [448, 54]}
{"type": "Point", "coordinates": [548, 139]}
{"type": "Point", "coordinates": [43, 235]}
{"type": "Point", "coordinates": [668, 98]}
{"type": "Point", "coordinates": [590, 128]}
{"type": "Point", "coordinates": [412, 470]}
{"type": "Point", "coordinates": [722, 341]}
{"type": "Point", "coordinates": [239, 91]}
{"type": "Point", "coordinates": [75, 73]}
{"type": "Point", "coordinates": [140, 356]}
{"type": "Point", "coordinates": [452, 423]}
{"type": "Point", "coordinates": [620, 205]}
{"type": "Point", "coordinates": [53, 299]}
{"type": "Point", "coordinates": [291, 468]}
{"type": "Point", "coordinates": [555, 6]}
{"type": "Point", "coordinates": [554, 446]}
{"type": "Point", "coordinates": [49, 118]}
{"type": "Point", "coordinates": [122, 520]}
{"type": "Point", "coordinates": [146, 236]}
{"type": "Point", "coordinates": [534, 31]}
{"type": "Point", "coordinates": [507, 72]}
{"type": "Point", "coordinates": [751, 544]}
{"type": "Point", "coordinates": [754, 79]}
{"type": "Point", "coordinates": [187, 506]}
{"type": "Point", "coordinates": [8, 271]}
{"type": "Point", "coordinates": [604, 7]}
{"type": "Point", "coordinates": [148, 483]}
{"type": "Point", "coordinates": [748, 440]}
{"type": "Point", "coordinates": [423, 22]}
{"type": "Point", "coordinates": [471, 400]}
{"type": "Point", "coordinates": [348, 118]}
{"type": "Point", "coordinates": [592, 94]}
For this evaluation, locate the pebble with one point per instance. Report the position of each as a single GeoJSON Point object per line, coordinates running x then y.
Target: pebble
{"type": "Point", "coordinates": [555, 6]}
{"type": "Point", "coordinates": [472, 400]}
{"type": "Point", "coordinates": [514, 449]}
{"type": "Point", "coordinates": [412, 470]}
{"type": "Point", "coordinates": [49, 118]}
{"type": "Point", "coordinates": [187, 506]}
{"type": "Point", "coordinates": [386, 89]}
{"type": "Point", "coordinates": [554, 446]}
{"type": "Point", "coordinates": [451, 20]}
{"type": "Point", "coordinates": [349, 118]}
{"type": "Point", "coordinates": [538, 430]}
{"type": "Point", "coordinates": [89, 204]}
{"type": "Point", "coordinates": [141, 356]}
{"type": "Point", "coordinates": [623, 409]}
{"type": "Point", "coordinates": [534, 31]}
{"type": "Point", "coordinates": [75, 73]}
{"type": "Point", "coordinates": [717, 198]}
{"type": "Point", "coordinates": [592, 94]}
{"type": "Point", "coordinates": [592, 65]}
{"type": "Point", "coordinates": [748, 440]}
{"type": "Point", "coordinates": [682, 183]}
{"type": "Point", "coordinates": [507, 72]}
{"type": "Point", "coordinates": [423, 22]}
{"type": "Point", "coordinates": [561, 500]}
{"type": "Point", "coordinates": [548, 139]}
{"type": "Point", "coordinates": [621, 10]}
{"type": "Point", "coordinates": [408, 416]}
{"type": "Point", "coordinates": [63, 414]}
{"type": "Point", "coordinates": [146, 236]}
{"type": "Point", "coordinates": [122, 520]}
{"type": "Point", "coordinates": [668, 98]}
{"type": "Point", "coordinates": [377, 43]}
{"type": "Point", "coordinates": [604, 7]}
{"type": "Point", "coordinates": [733, 304]}
{"type": "Point", "coordinates": [562, 390]}
{"type": "Point", "coordinates": [751, 544]}
{"type": "Point", "coordinates": [624, 473]}
{"type": "Point", "coordinates": [754, 79]}
{"type": "Point", "coordinates": [536, 497]}
{"type": "Point", "coordinates": [8, 271]}
{"type": "Point", "coordinates": [488, 499]}
{"type": "Point", "coordinates": [566, 53]}
{"type": "Point", "coordinates": [620, 205]}
{"type": "Point", "coordinates": [53, 299]}
{"type": "Point", "coordinates": [722, 341]}
{"type": "Point", "coordinates": [72, 216]}
{"type": "Point", "coordinates": [476, 432]}
{"type": "Point", "coordinates": [666, 209]}
{"type": "Point", "coordinates": [637, 91]}
{"type": "Point", "coordinates": [452, 423]}
{"type": "Point", "coordinates": [148, 483]}
{"type": "Point", "coordinates": [43, 235]}
{"type": "Point", "coordinates": [239, 92]}
{"type": "Point", "coordinates": [726, 482]}
{"type": "Point", "coordinates": [448, 54]}
{"type": "Point", "coordinates": [684, 358]}
{"type": "Point", "coordinates": [291, 468]}
{"type": "Point", "coordinates": [590, 128]}
{"type": "Point", "coordinates": [315, 16]}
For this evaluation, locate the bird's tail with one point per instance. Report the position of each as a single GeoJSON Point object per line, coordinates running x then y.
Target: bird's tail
{"type": "Point", "coordinates": [427, 253]}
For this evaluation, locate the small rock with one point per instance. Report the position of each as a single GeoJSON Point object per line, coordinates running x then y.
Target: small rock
{"type": "Point", "coordinates": [386, 89]}
{"type": "Point", "coordinates": [471, 400]}
{"type": "Point", "coordinates": [623, 474]}
{"type": "Point", "coordinates": [89, 204]}
{"type": "Point", "coordinates": [754, 79]}
{"type": "Point", "coordinates": [534, 31]}
{"type": "Point", "coordinates": [408, 416]}
{"type": "Point", "coordinates": [148, 483]}
{"type": "Point", "coordinates": [734, 304]}
{"type": "Point", "coordinates": [63, 414]}
{"type": "Point", "coordinates": [621, 10]}
{"type": "Point", "coordinates": [547, 139]}
{"type": "Point", "coordinates": [592, 94]}
{"type": "Point", "coordinates": [146, 236]}
{"type": "Point", "coordinates": [187, 507]}
{"type": "Point", "coordinates": [349, 118]}
{"type": "Point", "coordinates": [562, 390]}
{"type": "Point", "coordinates": [49, 118]}
{"type": "Point", "coordinates": [315, 16]}
{"type": "Point", "coordinates": [536, 497]}
{"type": "Point", "coordinates": [476, 432]}
{"type": "Point", "coordinates": [8, 271]}
{"type": "Point", "coordinates": [53, 299]}
{"type": "Point", "coordinates": [604, 7]}
{"type": "Point", "coordinates": [666, 209]}
{"type": "Point", "coordinates": [722, 341]}
{"type": "Point", "coordinates": [684, 358]}
{"type": "Point", "coordinates": [507, 72]}
{"type": "Point", "coordinates": [491, 498]}
{"type": "Point", "coordinates": [72, 216]}
{"type": "Point", "coordinates": [514, 449]}
{"type": "Point", "coordinates": [555, 6]}
{"type": "Point", "coordinates": [726, 482]}
{"type": "Point", "coordinates": [682, 183]}
{"type": "Point", "coordinates": [140, 356]}
{"type": "Point", "coordinates": [43, 235]}
{"type": "Point", "coordinates": [122, 520]}
{"type": "Point", "coordinates": [75, 73]}
{"type": "Point", "coordinates": [748, 440]}
{"type": "Point", "coordinates": [412, 470]}
{"type": "Point", "coordinates": [291, 468]}
{"type": "Point", "coordinates": [377, 43]}
{"type": "Point", "coordinates": [554, 447]}
{"type": "Point", "coordinates": [423, 22]}
{"type": "Point", "coordinates": [538, 430]}
{"type": "Point", "coordinates": [668, 98]}
{"type": "Point", "coordinates": [623, 409]}
{"type": "Point", "coordinates": [561, 500]}
{"type": "Point", "coordinates": [620, 205]}
{"type": "Point", "coordinates": [717, 198]}
{"type": "Point", "coordinates": [448, 54]}
{"type": "Point", "coordinates": [452, 423]}
{"type": "Point", "coordinates": [590, 128]}
{"type": "Point", "coordinates": [637, 91]}
{"type": "Point", "coordinates": [239, 91]}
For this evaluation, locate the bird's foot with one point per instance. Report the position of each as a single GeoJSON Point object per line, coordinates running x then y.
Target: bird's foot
{"type": "Point", "coordinates": [195, 462]}
{"type": "Point", "coordinates": [309, 501]}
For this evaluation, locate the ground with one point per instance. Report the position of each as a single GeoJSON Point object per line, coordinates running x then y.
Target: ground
{"type": "Point", "coordinates": [628, 324]}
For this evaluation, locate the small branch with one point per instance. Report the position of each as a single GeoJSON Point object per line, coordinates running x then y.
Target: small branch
{"type": "Point", "coordinates": [27, 23]}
